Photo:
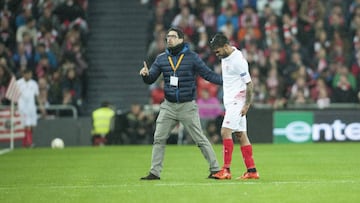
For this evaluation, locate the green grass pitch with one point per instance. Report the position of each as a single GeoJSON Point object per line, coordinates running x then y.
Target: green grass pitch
{"type": "Point", "coordinates": [288, 173]}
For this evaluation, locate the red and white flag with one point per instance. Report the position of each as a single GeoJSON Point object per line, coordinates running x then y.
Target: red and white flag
{"type": "Point", "coordinates": [5, 126]}
{"type": "Point", "coordinates": [13, 92]}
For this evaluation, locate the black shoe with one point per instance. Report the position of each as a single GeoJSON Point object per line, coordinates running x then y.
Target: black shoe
{"type": "Point", "coordinates": [211, 174]}
{"type": "Point", "coordinates": [150, 177]}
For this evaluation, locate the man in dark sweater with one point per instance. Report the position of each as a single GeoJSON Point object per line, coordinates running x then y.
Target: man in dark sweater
{"type": "Point", "coordinates": [179, 66]}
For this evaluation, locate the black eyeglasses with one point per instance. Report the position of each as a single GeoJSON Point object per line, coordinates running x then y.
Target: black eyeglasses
{"type": "Point", "coordinates": [171, 36]}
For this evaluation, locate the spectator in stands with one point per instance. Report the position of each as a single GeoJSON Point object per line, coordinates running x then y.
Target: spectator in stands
{"type": "Point", "coordinates": [310, 12]}
{"type": "Point", "coordinates": [295, 63]}
{"type": "Point", "coordinates": [299, 98]}
{"type": "Point", "coordinates": [259, 88]}
{"type": "Point", "coordinates": [289, 29]}
{"type": "Point", "coordinates": [299, 86]}
{"type": "Point", "coordinates": [323, 101]}
{"type": "Point", "coordinates": [321, 41]}
{"type": "Point", "coordinates": [157, 46]}
{"type": "Point", "coordinates": [76, 55]}
{"type": "Point", "coordinates": [66, 65]}
{"type": "Point", "coordinates": [335, 19]}
{"type": "Point", "coordinates": [248, 15]}
{"type": "Point", "coordinates": [27, 105]}
{"type": "Point", "coordinates": [228, 16]}
{"type": "Point", "coordinates": [291, 7]}
{"type": "Point", "coordinates": [274, 81]}
{"type": "Point", "coordinates": [22, 17]}
{"type": "Point", "coordinates": [209, 107]}
{"type": "Point", "coordinates": [229, 31]}
{"type": "Point", "coordinates": [185, 20]}
{"type": "Point", "coordinates": [339, 47]}
{"type": "Point", "coordinates": [72, 88]}
{"type": "Point", "coordinates": [276, 6]}
{"type": "Point", "coordinates": [103, 121]}
{"type": "Point", "coordinates": [29, 28]}
{"type": "Point", "coordinates": [7, 35]}
{"type": "Point", "coordinates": [67, 12]}
{"type": "Point", "coordinates": [43, 67]}
{"type": "Point", "coordinates": [139, 125]}
{"type": "Point", "coordinates": [225, 4]}
{"type": "Point", "coordinates": [22, 59]}
{"type": "Point", "coordinates": [43, 92]}
{"type": "Point", "coordinates": [209, 18]}
{"type": "Point", "coordinates": [204, 84]}
{"type": "Point", "coordinates": [321, 93]}
{"type": "Point", "coordinates": [29, 47]}
{"type": "Point", "coordinates": [48, 17]}
{"type": "Point", "coordinates": [55, 93]}
{"type": "Point", "coordinates": [342, 70]}
{"type": "Point", "coordinates": [72, 37]}
{"type": "Point", "coordinates": [5, 76]}
{"type": "Point", "coordinates": [248, 32]}
{"type": "Point", "coordinates": [157, 93]}
{"type": "Point", "coordinates": [42, 51]}
{"type": "Point", "coordinates": [319, 86]}
{"type": "Point", "coordinates": [213, 131]}
{"type": "Point", "coordinates": [343, 92]}
{"type": "Point", "coordinates": [6, 54]}
{"type": "Point", "coordinates": [272, 30]}
{"type": "Point", "coordinates": [255, 56]}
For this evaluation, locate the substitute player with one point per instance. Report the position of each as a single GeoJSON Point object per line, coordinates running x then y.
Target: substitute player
{"type": "Point", "coordinates": [238, 93]}
{"type": "Point", "coordinates": [27, 105]}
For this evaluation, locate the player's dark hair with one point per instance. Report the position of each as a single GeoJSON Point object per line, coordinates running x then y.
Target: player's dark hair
{"type": "Point", "coordinates": [219, 40]}
{"type": "Point", "coordinates": [178, 31]}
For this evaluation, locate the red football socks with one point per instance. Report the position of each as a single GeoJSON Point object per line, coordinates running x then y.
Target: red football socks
{"type": "Point", "coordinates": [248, 156]}
{"type": "Point", "coordinates": [228, 146]}
{"type": "Point", "coordinates": [27, 140]}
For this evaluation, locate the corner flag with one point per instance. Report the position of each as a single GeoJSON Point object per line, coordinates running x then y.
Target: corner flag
{"type": "Point", "coordinates": [13, 92]}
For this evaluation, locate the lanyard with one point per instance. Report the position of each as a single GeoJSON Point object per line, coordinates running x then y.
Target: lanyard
{"type": "Point", "coordinates": [177, 64]}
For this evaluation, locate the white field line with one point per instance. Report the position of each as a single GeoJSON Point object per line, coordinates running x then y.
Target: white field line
{"type": "Point", "coordinates": [175, 184]}
{"type": "Point", "coordinates": [4, 151]}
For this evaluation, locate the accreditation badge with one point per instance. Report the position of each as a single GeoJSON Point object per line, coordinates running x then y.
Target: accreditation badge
{"type": "Point", "coordinates": [174, 81]}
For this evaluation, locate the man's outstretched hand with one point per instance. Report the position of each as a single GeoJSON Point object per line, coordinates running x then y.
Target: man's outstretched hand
{"type": "Point", "coordinates": [144, 71]}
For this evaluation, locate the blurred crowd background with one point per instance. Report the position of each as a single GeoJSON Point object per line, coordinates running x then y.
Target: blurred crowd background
{"type": "Point", "coordinates": [299, 52]}
{"type": "Point", "coordinates": [48, 37]}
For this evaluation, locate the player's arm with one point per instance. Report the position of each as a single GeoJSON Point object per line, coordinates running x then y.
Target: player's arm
{"type": "Point", "coordinates": [41, 106]}
{"type": "Point", "coordinates": [248, 98]}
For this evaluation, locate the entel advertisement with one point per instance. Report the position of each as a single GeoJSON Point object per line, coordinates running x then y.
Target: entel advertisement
{"type": "Point", "coordinates": [316, 126]}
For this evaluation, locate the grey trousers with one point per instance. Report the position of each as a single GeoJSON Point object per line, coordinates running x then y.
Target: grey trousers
{"type": "Point", "coordinates": [187, 114]}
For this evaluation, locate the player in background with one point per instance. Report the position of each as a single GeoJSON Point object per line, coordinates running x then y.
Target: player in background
{"type": "Point", "coordinates": [27, 105]}
{"type": "Point", "coordinates": [238, 94]}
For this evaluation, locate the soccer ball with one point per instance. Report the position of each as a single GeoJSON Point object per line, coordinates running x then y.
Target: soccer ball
{"type": "Point", "coordinates": [57, 143]}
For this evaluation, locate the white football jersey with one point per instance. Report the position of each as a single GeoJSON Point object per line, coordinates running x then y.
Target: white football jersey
{"type": "Point", "coordinates": [235, 74]}
{"type": "Point", "coordinates": [29, 89]}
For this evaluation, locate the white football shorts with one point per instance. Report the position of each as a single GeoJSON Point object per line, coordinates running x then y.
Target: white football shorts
{"type": "Point", "coordinates": [233, 119]}
{"type": "Point", "coordinates": [28, 117]}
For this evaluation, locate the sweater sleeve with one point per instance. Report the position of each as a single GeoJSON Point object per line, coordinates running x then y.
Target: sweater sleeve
{"type": "Point", "coordinates": [154, 73]}
{"type": "Point", "coordinates": [205, 72]}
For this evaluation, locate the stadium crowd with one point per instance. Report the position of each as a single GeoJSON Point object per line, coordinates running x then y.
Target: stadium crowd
{"type": "Point", "coordinates": [48, 37]}
{"type": "Point", "coordinates": [300, 52]}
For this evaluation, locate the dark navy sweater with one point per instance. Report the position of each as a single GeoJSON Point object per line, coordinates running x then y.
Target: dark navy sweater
{"type": "Point", "coordinates": [190, 66]}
